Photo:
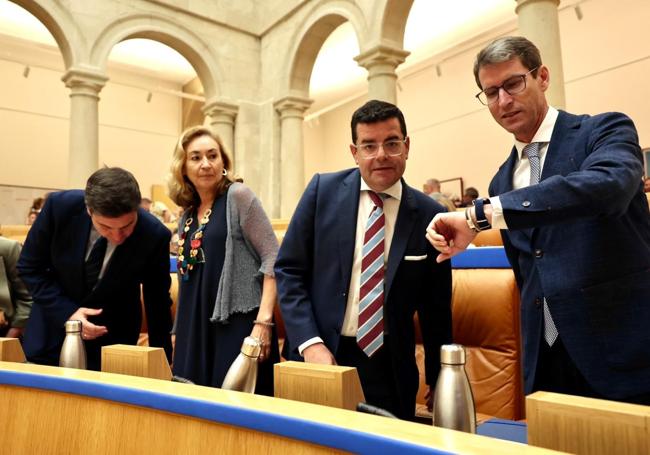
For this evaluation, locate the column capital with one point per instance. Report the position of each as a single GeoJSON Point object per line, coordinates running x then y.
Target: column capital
{"type": "Point", "coordinates": [89, 80]}
{"type": "Point", "coordinates": [224, 111]}
{"type": "Point", "coordinates": [292, 106]}
{"type": "Point", "coordinates": [382, 55]}
{"type": "Point", "coordinates": [521, 3]}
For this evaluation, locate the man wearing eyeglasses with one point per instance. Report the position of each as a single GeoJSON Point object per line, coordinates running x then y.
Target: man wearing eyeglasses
{"type": "Point", "coordinates": [576, 229]}
{"type": "Point", "coordinates": [355, 266]}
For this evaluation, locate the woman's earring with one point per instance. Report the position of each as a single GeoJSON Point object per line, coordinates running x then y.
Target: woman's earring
{"type": "Point", "coordinates": [224, 172]}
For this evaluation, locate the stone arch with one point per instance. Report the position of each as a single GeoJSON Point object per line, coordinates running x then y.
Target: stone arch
{"type": "Point", "coordinates": [389, 22]}
{"type": "Point", "coordinates": [309, 39]}
{"type": "Point", "coordinates": [165, 31]}
{"type": "Point", "coordinates": [60, 24]}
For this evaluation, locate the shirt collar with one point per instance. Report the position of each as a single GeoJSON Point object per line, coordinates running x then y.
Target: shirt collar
{"type": "Point", "coordinates": [544, 132]}
{"type": "Point", "coordinates": [394, 191]}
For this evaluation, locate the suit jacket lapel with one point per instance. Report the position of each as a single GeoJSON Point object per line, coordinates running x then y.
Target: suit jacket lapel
{"type": "Point", "coordinates": [559, 161]}
{"type": "Point", "coordinates": [502, 182]}
{"type": "Point", "coordinates": [406, 218]}
{"type": "Point", "coordinates": [348, 208]}
{"type": "Point", "coordinates": [81, 225]}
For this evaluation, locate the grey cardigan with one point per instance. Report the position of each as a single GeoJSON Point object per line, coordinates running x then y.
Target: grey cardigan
{"type": "Point", "coordinates": [251, 249]}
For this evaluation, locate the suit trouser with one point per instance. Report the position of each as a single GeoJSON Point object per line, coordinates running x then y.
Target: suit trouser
{"type": "Point", "coordinates": [375, 373]}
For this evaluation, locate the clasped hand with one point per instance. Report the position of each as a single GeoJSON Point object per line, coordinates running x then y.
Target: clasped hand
{"type": "Point", "coordinates": [449, 234]}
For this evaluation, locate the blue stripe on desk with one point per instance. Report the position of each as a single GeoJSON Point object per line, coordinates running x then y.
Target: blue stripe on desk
{"type": "Point", "coordinates": [504, 429]}
{"type": "Point", "coordinates": [290, 427]}
{"type": "Point", "coordinates": [485, 257]}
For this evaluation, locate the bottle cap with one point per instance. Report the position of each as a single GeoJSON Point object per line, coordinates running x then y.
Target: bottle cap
{"type": "Point", "coordinates": [251, 347]}
{"type": "Point", "coordinates": [72, 326]}
{"type": "Point", "coordinates": [452, 354]}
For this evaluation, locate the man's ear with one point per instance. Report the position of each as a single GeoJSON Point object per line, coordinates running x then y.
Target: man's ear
{"type": "Point", "coordinates": [544, 76]}
{"type": "Point", "coordinates": [353, 151]}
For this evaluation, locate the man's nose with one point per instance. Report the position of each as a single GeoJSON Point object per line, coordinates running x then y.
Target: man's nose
{"type": "Point", "coordinates": [504, 97]}
{"type": "Point", "coordinates": [381, 153]}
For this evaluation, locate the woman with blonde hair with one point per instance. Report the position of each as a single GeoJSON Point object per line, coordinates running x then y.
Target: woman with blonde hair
{"type": "Point", "coordinates": [226, 253]}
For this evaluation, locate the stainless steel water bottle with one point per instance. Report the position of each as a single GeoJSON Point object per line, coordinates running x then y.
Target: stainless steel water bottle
{"type": "Point", "coordinates": [73, 352]}
{"type": "Point", "coordinates": [242, 375]}
{"type": "Point", "coordinates": [453, 402]}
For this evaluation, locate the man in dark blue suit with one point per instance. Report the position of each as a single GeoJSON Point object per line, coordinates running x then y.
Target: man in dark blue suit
{"type": "Point", "coordinates": [319, 268]}
{"type": "Point", "coordinates": [576, 229]}
{"type": "Point", "coordinates": [130, 247]}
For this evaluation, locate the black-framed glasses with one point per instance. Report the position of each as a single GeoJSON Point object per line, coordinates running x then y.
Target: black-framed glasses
{"type": "Point", "coordinates": [369, 150]}
{"type": "Point", "coordinates": [512, 86]}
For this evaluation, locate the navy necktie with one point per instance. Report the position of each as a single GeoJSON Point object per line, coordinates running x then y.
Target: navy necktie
{"type": "Point", "coordinates": [93, 265]}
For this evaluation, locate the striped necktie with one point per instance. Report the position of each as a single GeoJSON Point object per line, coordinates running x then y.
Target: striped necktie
{"type": "Point", "coordinates": [370, 334]}
{"type": "Point", "coordinates": [532, 152]}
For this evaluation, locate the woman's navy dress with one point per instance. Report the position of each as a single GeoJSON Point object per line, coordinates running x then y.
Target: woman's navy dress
{"type": "Point", "coordinates": [205, 350]}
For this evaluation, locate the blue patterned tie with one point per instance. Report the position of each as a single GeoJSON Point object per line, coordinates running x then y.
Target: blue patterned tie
{"type": "Point", "coordinates": [532, 152]}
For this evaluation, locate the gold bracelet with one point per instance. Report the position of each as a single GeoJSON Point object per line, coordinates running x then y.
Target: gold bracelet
{"type": "Point", "coordinates": [267, 324]}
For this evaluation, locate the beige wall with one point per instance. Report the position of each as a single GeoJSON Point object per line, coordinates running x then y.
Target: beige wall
{"type": "Point", "coordinates": [606, 64]}
{"type": "Point", "coordinates": [34, 122]}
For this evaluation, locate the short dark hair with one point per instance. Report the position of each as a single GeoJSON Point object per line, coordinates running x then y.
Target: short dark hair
{"type": "Point", "coordinates": [376, 111]}
{"type": "Point", "coordinates": [112, 192]}
{"type": "Point", "coordinates": [471, 192]}
{"type": "Point", "coordinates": [505, 49]}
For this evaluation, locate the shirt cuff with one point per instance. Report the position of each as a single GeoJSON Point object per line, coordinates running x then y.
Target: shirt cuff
{"type": "Point", "coordinates": [498, 220]}
{"type": "Point", "coordinates": [308, 343]}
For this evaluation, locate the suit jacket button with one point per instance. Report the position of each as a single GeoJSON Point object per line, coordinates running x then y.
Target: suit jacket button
{"type": "Point", "coordinates": [538, 302]}
{"type": "Point", "coordinates": [539, 253]}
{"type": "Point", "coordinates": [526, 203]}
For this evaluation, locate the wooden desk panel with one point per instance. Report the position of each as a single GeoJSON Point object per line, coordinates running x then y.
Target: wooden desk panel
{"type": "Point", "coordinates": [60, 410]}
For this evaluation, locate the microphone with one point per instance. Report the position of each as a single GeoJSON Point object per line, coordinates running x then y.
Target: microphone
{"type": "Point", "coordinates": [370, 409]}
{"type": "Point", "coordinates": [181, 380]}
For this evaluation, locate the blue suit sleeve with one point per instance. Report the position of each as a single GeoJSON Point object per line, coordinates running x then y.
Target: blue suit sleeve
{"type": "Point", "coordinates": [293, 271]}
{"type": "Point", "coordinates": [38, 273]}
{"type": "Point", "coordinates": [602, 184]}
{"type": "Point", "coordinates": [155, 291]}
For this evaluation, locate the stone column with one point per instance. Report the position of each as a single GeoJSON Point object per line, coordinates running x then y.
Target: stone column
{"type": "Point", "coordinates": [381, 62]}
{"type": "Point", "coordinates": [539, 22]}
{"type": "Point", "coordinates": [222, 120]}
{"type": "Point", "coordinates": [85, 85]}
{"type": "Point", "coordinates": [292, 161]}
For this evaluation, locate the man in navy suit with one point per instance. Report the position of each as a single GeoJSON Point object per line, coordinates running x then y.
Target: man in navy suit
{"type": "Point", "coordinates": [576, 229]}
{"type": "Point", "coordinates": [318, 270]}
{"type": "Point", "coordinates": [132, 249]}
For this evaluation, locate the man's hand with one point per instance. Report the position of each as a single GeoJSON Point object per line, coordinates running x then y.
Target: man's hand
{"type": "Point", "coordinates": [3, 320]}
{"type": "Point", "coordinates": [14, 332]}
{"type": "Point", "coordinates": [89, 331]}
{"type": "Point", "coordinates": [318, 353]}
{"type": "Point", "coordinates": [449, 234]}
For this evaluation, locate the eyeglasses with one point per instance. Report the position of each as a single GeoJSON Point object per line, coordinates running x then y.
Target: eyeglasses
{"type": "Point", "coordinates": [370, 149]}
{"type": "Point", "coordinates": [512, 86]}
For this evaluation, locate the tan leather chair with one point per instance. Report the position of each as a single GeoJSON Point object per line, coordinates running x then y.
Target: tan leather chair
{"type": "Point", "coordinates": [485, 318]}
{"type": "Point", "coordinates": [491, 237]}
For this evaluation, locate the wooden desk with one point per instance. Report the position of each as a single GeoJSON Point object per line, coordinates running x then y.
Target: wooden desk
{"type": "Point", "coordinates": [74, 411]}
